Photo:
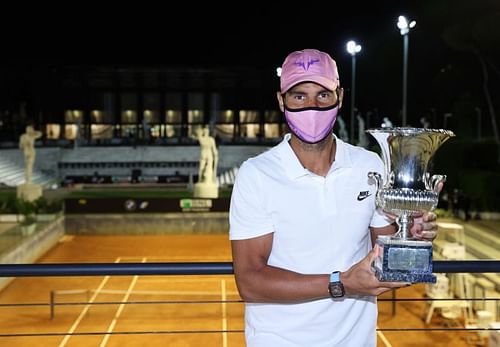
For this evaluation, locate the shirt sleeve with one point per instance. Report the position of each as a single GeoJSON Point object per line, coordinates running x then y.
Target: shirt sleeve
{"type": "Point", "coordinates": [379, 218]}
{"type": "Point", "coordinates": [248, 217]}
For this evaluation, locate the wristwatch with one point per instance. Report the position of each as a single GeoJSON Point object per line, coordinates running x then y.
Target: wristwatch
{"type": "Point", "coordinates": [336, 288]}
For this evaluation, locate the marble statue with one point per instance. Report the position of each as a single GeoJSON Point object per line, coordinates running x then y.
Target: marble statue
{"type": "Point", "coordinates": [362, 138]}
{"type": "Point", "coordinates": [28, 190]}
{"type": "Point", "coordinates": [207, 186]}
{"type": "Point", "coordinates": [27, 145]}
{"type": "Point", "coordinates": [344, 136]}
{"type": "Point", "coordinates": [386, 123]}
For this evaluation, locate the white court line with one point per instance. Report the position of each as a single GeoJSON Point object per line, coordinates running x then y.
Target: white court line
{"type": "Point", "coordinates": [224, 312]}
{"type": "Point", "coordinates": [169, 292]}
{"type": "Point", "coordinates": [150, 292]}
{"type": "Point", "coordinates": [384, 339]}
{"type": "Point", "coordinates": [85, 310]}
{"type": "Point", "coordinates": [224, 293]}
{"type": "Point", "coordinates": [179, 280]}
{"type": "Point", "coordinates": [120, 309]}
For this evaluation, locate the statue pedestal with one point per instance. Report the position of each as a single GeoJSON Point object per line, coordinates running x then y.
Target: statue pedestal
{"type": "Point", "coordinates": [206, 190]}
{"type": "Point", "coordinates": [29, 191]}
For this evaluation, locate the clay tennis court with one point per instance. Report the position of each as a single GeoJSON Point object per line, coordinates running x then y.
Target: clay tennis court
{"type": "Point", "coordinates": [160, 310]}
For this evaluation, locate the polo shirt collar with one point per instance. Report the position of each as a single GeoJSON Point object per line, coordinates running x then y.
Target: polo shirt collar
{"type": "Point", "coordinates": [294, 168]}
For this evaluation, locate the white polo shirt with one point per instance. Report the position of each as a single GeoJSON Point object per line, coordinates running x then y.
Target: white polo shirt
{"type": "Point", "coordinates": [320, 224]}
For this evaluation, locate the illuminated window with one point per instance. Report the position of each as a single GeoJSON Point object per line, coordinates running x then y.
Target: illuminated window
{"type": "Point", "coordinates": [73, 116]}
{"type": "Point", "coordinates": [102, 107]}
{"type": "Point", "coordinates": [151, 104]}
{"type": "Point", "coordinates": [101, 131]}
{"type": "Point", "coordinates": [225, 116]}
{"type": "Point", "coordinates": [173, 116]}
{"type": "Point", "coordinates": [172, 130]}
{"type": "Point", "coordinates": [249, 116]}
{"type": "Point", "coordinates": [195, 116]}
{"type": "Point", "coordinates": [129, 108]}
{"type": "Point", "coordinates": [173, 108]}
{"type": "Point", "coordinates": [224, 131]}
{"type": "Point", "coordinates": [53, 131]}
{"type": "Point", "coordinates": [271, 131]}
{"type": "Point", "coordinates": [195, 108]}
{"type": "Point", "coordinates": [250, 130]}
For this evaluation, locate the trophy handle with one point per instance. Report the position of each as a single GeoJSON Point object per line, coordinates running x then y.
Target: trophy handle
{"type": "Point", "coordinates": [435, 180]}
{"type": "Point", "coordinates": [377, 177]}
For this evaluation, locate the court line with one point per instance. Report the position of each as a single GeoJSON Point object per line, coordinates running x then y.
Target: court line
{"type": "Point", "coordinates": [147, 292]}
{"type": "Point", "coordinates": [224, 312]}
{"type": "Point", "coordinates": [85, 310]}
{"type": "Point", "coordinates": [120, 309]}
{"type": "Point", "coordinates": [383, 338]}
{"type": "Point", "coordinates": [129, 292]}
{"type": "Point", "coordinates": [172, 279]}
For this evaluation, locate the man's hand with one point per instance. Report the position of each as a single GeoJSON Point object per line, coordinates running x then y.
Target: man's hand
{"type": "Point", "coordinates": [360, 279]}
{"type": "Point", "coordinates": [424, 226]}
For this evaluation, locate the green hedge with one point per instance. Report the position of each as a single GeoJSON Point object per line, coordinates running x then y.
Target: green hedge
{"type": "Point", "coordinates": [9, 203]}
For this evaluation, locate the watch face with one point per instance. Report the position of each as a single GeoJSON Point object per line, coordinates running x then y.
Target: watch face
{"type": "Point", "coordinates": [336, 290]}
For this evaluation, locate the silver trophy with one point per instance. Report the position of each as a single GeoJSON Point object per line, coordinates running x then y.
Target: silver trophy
{"type": "Point", "coordinates": [406, 189]}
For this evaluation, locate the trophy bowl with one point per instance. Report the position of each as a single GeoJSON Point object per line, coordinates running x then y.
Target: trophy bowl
{"type": "Point", "coordinates": [405, 189]}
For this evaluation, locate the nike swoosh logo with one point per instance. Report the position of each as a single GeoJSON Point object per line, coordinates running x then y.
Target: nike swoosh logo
{"type": "Point", "coordinates": [363, 195]}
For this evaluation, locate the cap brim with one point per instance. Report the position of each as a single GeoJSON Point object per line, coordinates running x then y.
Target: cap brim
{"type": "Point", "coordinates": [322, 81]}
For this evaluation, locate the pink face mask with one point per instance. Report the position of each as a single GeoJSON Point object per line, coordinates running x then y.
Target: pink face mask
{"type": "Point", "coordinates": [312, 124]}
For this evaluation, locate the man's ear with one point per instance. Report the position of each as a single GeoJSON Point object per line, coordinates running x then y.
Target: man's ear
{"type": "Point", "coordinates": [280, 101]}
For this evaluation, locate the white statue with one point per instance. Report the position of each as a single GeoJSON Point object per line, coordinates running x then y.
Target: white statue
{"type": "Point", "coordinates": [425, 123]}
{"type": "Point", "coordinates": [344, 136]}
{"type": "Point", "coordinates": [362, 138]}
{"type": "Point", "coordinates": [207, 186]}
{"type": "Point", "coordinates": [28, 190]}
{"type": "Point", "coordinates": [208, 157]}
{"type": "Point", "coordinates": [27, 145]}
{"type": "Point", "coordinates": [386, 123]}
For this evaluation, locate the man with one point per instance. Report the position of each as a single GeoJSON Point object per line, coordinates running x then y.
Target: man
{"type": "Point", "coordinates": [298, 222]}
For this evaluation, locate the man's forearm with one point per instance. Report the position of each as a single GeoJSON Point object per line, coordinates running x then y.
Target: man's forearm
{"type": "Point", "coordinates": [272, 284]}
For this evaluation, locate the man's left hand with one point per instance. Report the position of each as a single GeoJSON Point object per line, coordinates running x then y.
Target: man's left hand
{"type": "Point", "coordinates": [424, 226]}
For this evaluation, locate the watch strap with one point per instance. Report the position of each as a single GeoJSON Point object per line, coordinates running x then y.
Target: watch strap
{"type": "Point", "coordinates": [335, 287]}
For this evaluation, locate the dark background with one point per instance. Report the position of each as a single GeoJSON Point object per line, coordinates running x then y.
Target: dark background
{"type": "Point", "coordinates": [444, 73]}
{"type": "Point", "coordinates": [454, 57]}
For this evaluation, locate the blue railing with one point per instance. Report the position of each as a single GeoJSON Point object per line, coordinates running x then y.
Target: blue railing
{"type": "Point", "coordinates": [194, 268]}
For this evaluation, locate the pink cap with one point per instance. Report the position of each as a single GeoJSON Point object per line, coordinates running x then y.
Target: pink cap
{"type": "Point", "coordinates": [309, 65]}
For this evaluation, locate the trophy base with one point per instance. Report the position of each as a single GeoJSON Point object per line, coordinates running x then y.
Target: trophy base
{"type": "Point", "coordinates": [404, 260]}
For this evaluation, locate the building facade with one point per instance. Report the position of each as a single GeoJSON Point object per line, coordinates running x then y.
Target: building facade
{"type": "Point", "coordinates": [113, 105]}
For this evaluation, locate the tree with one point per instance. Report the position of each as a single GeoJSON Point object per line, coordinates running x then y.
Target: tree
{"type": "Point", "coordinates": [471, 27]}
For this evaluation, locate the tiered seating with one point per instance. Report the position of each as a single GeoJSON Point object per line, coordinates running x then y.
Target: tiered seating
{"type": "Point", "coordinates": [227, 177]}
{"type": "Point", "coordinates": [12, 174]}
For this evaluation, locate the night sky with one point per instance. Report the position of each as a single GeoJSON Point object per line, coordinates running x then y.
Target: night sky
{"type": "Point", "coordinates": [260, 34]}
